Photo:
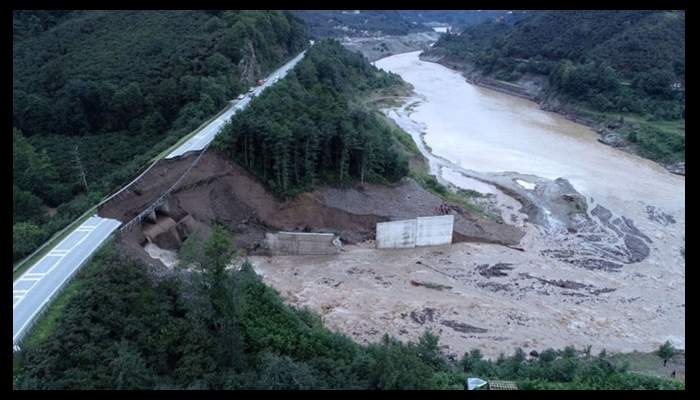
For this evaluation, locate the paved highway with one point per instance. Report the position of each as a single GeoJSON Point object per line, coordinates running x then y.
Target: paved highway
{"type": "Point", "coordinates": [35, 289]}
{"type": "Point", "coordinates": [207, 134]}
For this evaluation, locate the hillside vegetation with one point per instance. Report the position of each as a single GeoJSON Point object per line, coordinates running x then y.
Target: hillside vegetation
{"type": "Point", "coordinates": [96, 94]}
{"type": "Point", "coordinates": [610, 66]}
{"type": "Point", "coordinates": [313, 127]}
{"type": "Point", "coordinates": [209, 327]}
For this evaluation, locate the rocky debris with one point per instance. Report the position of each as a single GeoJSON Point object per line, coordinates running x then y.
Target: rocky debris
{"type": "Point", "coordinates": [494, 287]}
{"type": "Point", "coordinates": [569, 284]}
{"type": "Point", "coordinates": [595, 264]}
{"type": "Point", "coordinates": [634, 246]}
{"type": "Point", "coordinates": [659, 216]}
{"type": "Point", "coordinates": [430, 285]}
{"type": "Point", "coordinates": [601, 291]}
{"type": "Point", "coordinates": [591, 259]}
{"type": "Point", "coordinates": [676, 168]}
{"type": "Point", "coordinates": [496, 270]}
{"type": "Point", "coordinates": [462, 327]}
{"type": "Point", "coordinates": [596, 240]}
{"type": "Point", "coordinates": [421, 317]}
{"type": "Point", "coordinates": [613, 139]}
{"type": "Point", "coordinates": [407, 199]}
{"type": "Point", "coordinates": [602, 241]}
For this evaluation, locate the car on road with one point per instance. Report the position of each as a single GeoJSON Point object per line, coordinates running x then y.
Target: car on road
{"type": "Point", "coordinates": [241, 96]}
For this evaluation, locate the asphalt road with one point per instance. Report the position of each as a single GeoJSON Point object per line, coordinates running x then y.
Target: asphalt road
{"type": "Point", "coordinates": [35, 289]}
{"type": "Point", "coordinates": [206, 135]}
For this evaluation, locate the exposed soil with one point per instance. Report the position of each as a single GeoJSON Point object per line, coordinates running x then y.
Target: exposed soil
{"type": "Point", "coordinates": [497, 287]}
{"type": "Point", "coordinates": [218, 190]}
{"type": "Point", "coordinates": [523, 283]}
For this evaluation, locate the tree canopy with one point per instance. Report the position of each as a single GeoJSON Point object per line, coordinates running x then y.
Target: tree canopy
{"type": "Point", "coordinates": [97, 93]}
{"type": "Point", "coordinates": [314, 126]}
{"type": "Point", "coordinates": [218, 326]}
{"type": "Point", "coordinates": [629, 61]}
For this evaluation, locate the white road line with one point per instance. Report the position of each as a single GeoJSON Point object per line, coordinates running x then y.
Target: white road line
{"type": "Point", "coordinates": [30, 278]}
{"type": "Point", "coordinates": [32, 274]}
{"type": "Point", "coordinates": [24, 326]}
{"type": "Point", "coordinates": [82, 239]}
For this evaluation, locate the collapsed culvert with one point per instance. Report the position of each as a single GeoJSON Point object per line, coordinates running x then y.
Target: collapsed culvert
{"type": "Point", "coordinates": [168, 234]}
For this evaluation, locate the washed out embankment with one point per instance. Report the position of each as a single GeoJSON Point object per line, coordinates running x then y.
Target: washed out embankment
{"type": "Point", "coordinates": [221, 191]}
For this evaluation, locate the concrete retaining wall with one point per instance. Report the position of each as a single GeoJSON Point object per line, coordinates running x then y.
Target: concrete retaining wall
{"type": "Point", "coordinates": [396, 234]}
{"type": "Point", "coordinates": [423, 231]}
{"type": "Point", "coordinates": [295, 243]}
{"type": "Point", "coordinates": [434, 231]}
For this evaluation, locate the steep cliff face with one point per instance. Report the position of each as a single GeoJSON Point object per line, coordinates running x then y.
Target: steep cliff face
{"type": "Point", "coordinates": [249, 65]}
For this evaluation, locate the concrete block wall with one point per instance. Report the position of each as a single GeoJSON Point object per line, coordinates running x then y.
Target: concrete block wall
{"type": "Point", "coordinates": [396, 234]}
{"type": "Point", "coordinates": [298, 243]}
{"type": "Point", "coordinates": [422, 231]}
{"type": "Point", "coordinates": [434, 231]}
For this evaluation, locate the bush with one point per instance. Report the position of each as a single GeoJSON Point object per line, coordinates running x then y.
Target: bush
{"type": "Point", "coordinates": [666, 350]}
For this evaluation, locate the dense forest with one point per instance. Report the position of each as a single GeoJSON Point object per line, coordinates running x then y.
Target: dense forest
{"type": "Point", "coordinates": [96, 94]}
{"type": "Point", "coordinates": [629, 64]}
{"type": "Point", "coordinates": [205, 326]}
{"type": "Point", "coordinates": [314, 126]}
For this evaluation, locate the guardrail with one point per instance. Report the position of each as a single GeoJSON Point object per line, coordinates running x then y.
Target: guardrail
{"type": "Point", "coordinates": [122, 228]}
{"type": "Point", "coordinates": [137, 219]}
{"type": "Point", "coordinates": [17, 343]}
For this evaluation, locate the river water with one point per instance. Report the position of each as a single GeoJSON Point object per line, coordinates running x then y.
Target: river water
{"type": "Point", "coordinates": [471, 132]}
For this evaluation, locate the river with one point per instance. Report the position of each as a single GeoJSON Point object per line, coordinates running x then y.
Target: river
{"type": "Point", "coordinates": [470, 132]}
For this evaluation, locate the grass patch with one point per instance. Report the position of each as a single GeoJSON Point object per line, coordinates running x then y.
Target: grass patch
{"type": "Point", "coordinates": [406, 141]}
{"type": "Point", "coordinates": [425, 144]}
{"type": "Point", "coordinates": [649, 364]}
{"type": "Point", "coordinates": [464, 198]}
{"type": "Point", "coordinates": [657, 143]}
{"type": "Point", "coordinates": [654, 139]}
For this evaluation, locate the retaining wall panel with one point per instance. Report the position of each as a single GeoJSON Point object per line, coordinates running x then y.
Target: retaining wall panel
{"type": "Point", "coordinates": [396, 234]}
